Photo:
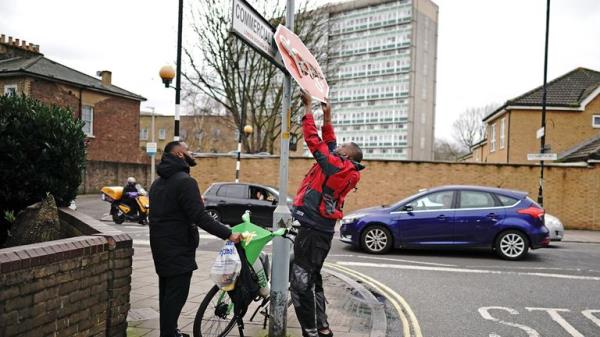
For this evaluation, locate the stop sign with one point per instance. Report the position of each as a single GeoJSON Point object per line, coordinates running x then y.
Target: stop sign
{"type": "Point", "coordinates": [301, 63]}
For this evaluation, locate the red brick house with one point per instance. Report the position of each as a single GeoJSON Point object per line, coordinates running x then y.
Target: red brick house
{"type": "Point", "coordinates": [110, 113]}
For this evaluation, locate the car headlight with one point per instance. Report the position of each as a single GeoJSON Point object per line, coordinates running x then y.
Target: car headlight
{"type": "Point", "coordinates": [351, 218]}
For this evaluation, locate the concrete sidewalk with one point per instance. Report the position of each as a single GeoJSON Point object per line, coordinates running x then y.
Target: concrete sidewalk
{"type": "Point", "coordinates": [349, 313]}
{"type": "Point", "coordinates": [572, 235]}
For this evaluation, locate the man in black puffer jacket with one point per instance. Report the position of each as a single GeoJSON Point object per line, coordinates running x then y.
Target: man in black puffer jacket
{"type": "Point", "coordinates": [176, 212]}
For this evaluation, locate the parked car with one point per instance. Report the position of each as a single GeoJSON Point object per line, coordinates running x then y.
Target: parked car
{"type": "Point", "coordinates": [451, 216]}
{"type": "Point", "coordinates": [226, 202]}
{"type": "Point", "coordinates": [555, 226]}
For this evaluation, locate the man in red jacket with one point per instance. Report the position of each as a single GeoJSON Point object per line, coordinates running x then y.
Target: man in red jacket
{"type": "Point", "coordinates": [318, 206]}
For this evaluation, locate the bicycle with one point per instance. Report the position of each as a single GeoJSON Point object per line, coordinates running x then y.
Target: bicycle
{"type": "Point", "coordinates": [216, 315]}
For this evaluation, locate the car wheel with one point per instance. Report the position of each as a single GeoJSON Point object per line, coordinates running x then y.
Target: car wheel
{"type": "Point", "coordinates": [376, 240]}
{"type": "Point", "coordinates": [512, 245]}
{"type": "Point", "coordinates": [214, 214]}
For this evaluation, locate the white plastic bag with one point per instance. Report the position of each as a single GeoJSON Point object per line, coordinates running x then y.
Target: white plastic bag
{"type": "Point", "coordinates": [226, 268]}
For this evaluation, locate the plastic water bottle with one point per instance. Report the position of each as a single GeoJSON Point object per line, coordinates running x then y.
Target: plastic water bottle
{"type": "Point", "coordinates": [263, 282]}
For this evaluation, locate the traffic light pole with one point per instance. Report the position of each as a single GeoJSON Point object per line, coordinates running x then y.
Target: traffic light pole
{"type": "Point", "coordinates": [282, 217]}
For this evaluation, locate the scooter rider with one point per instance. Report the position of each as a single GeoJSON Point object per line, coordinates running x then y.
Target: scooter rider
{"type": "Point", "coordinates": [130, 193]}
{"type": "Point", "coordinates": [318, 206]}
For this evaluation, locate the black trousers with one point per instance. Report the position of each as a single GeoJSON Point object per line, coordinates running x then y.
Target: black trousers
{"type": "Point", "coordinates": [306, 284]}
{"type": "Point", "coordinates": [172, 295]}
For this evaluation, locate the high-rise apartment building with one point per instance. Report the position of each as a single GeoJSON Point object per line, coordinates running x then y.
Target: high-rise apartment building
{"type": "Point", "coordinates": [381, 68]}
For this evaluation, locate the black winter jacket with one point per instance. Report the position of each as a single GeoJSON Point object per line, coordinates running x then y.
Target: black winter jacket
{"type": "Point", "coordinates": [176, 211]}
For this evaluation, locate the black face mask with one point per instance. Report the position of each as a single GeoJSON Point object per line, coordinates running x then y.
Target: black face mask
{"type": "Point", "coordinates": [189, 160]}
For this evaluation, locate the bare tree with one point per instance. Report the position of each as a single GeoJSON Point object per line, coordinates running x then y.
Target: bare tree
{"type": "Point", "coordinates": [469, 128]}
{"type": "Point", "coordinates": [445, 150]}
{"type": "Point", "coordinates": [225, 69]}
{"type": "Point", "coordinates": [206, 124]}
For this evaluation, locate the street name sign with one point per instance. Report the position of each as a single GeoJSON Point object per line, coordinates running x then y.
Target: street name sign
{"type": "Point", "coordinates": [150, 148]}
{"type": "Point", "coordinates": [301, 63]}
{"type": "Point", "coordinates": [254, 30]}
{"type": "Point", "coordinates": [542, 156]}
{"type": "Point", "coordinates": [540, 133]}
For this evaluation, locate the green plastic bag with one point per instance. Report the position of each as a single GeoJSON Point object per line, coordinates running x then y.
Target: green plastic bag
{"type": "Point", "coordinates": [255, 237]}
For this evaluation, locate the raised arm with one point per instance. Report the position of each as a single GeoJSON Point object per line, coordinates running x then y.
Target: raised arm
{"type": "Point", "coordinates": [321, 149]}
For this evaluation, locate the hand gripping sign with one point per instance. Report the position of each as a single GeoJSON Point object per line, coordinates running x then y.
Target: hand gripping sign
{"type": "Point", "coordinates": [301, 64]}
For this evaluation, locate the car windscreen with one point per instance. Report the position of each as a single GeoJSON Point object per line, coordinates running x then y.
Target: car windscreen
{"type": "Point", "coordinates": [233, 191]}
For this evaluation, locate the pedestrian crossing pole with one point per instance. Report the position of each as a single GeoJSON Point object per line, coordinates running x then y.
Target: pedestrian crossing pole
{"type": "Point", "coordinates": [282, 217]}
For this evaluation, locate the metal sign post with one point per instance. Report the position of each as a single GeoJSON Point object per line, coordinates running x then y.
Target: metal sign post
{"type": "Point", "coordinates": [282, 216]}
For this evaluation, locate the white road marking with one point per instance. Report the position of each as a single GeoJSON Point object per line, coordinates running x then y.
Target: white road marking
{"type": "Point", "coordinates": [554, 314]}
{"type": "Point", "coordinates": [484, 312]}
{"type": "Point", "coordinates": [463, 270]}
{"type": "Point", "coordinates": [528, 268]}
{"type": "Point", "coordinates": [392, 259]}
{"type": "Point", "coordinates": [408, 261]}
{"type": "Point", "coordinates": [590, 315]}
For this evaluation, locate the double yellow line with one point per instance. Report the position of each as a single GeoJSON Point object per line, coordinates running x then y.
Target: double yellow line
{"type": "Point", "coordinates": [410, 325]}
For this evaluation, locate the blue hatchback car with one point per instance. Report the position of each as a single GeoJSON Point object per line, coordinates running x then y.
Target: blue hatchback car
{"type": "Point", "coordinates": [451, 216]}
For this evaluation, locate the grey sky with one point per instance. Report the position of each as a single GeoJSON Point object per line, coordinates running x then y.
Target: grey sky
{"type": "Point", "coordinates": [488, 50]}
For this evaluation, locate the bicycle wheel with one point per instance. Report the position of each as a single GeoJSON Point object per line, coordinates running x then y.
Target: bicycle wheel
{"type": "Point", "coordinates": [214, 317]}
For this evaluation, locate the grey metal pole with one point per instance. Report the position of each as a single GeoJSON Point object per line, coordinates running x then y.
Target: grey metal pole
{"type": "Point", "coordinates": [178, 71]}
{"type": "Point", "coordinates": [153, 158]}
{"type": "Point", "coordinates": [282, 217]}
{"type": "Point", "coordinates": [543, 138]}
{"type": "Point", "coordinates": [242, 121]}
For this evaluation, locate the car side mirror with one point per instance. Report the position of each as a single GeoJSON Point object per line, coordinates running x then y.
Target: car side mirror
{"type": "Point", "coordinates": [275, 201]}
{"type": "Point", "coordinates": [407, 208]}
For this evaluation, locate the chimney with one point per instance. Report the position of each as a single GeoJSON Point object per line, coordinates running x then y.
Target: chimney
{"type": "Point", "coordinates": [12, 47]}
{"type": "Point", "coordinates": [106, 77]}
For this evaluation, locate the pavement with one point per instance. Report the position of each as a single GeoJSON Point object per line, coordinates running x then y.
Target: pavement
{"type": "Point", "coordinates": [354, 308]}
{"type": "Point", "coordinates": [350, 314]}
{"type": "Point", "coordinates": [582, 236]}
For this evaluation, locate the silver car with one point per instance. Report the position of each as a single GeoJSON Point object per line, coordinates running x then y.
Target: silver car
{"type": "Point", "coordinates": [556, 228]}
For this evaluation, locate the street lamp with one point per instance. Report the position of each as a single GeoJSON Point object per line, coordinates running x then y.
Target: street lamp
{"type": "Point", "coordinates": [167, 73]}
{"type": "Point", "coordinates": [247, 131]}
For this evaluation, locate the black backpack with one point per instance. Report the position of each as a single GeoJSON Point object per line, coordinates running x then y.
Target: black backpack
{"type": "Point", "coordinates": [246, 286]}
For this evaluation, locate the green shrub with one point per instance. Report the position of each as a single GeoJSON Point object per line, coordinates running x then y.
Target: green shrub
{"type": "Point", "coordinates": [42, 150]}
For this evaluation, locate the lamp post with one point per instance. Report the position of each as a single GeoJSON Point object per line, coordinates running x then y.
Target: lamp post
{"type": "Point", "coordinates": [247, 131]}
{"type": "Point", "coordinates": [543, 138]}
{"type": "Point", "coordinates": [167, 73]}
{"type": "Point", "coordinates": [153, 158]}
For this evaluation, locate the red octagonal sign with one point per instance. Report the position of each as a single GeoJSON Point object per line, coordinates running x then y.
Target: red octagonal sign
{"type": "Point", "coordinates": [301, 63]}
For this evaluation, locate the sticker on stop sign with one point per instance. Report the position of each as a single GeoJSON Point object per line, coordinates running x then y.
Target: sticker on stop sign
{"type": "Point", "coordinates": [301, 63]}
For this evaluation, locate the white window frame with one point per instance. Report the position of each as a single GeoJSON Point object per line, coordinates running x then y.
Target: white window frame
{"type": "Point", "coordinates": [7, 87]}
{"type": "Point", "coordinates": [91, 133]}
{"type": "Point", "coordinates": [502, 132]}
{"type": "Point", "coordinates": [594, 124]}
{"type": "Point", "coordinates": [144, 134]}
{"type": "Point", "coordinates": [493, 137]}
{"type": "Point", "coordinates": [162, 134]}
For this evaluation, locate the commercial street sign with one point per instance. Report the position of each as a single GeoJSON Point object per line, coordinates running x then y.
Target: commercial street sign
{"type": "Point", "coordinates": [301, 63]}
{"type": "Point", "coordinates": [540, 133]}
{"type": "Point", "coordinates": [150, 148]}
{"type": "Point", "coordinates": [542, 156]}
{"type": "Point", "coordinates": [254, 30]}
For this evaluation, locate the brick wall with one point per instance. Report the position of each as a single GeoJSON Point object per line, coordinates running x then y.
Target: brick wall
{"type": "Point", "coordinates": [72, 287]}
{"type": "Point", "coordinates": [103, 173]}
{"type": "Point", "coordinates": [572, 193]}
{"type": "Point", "coordinates": [116, 120]}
